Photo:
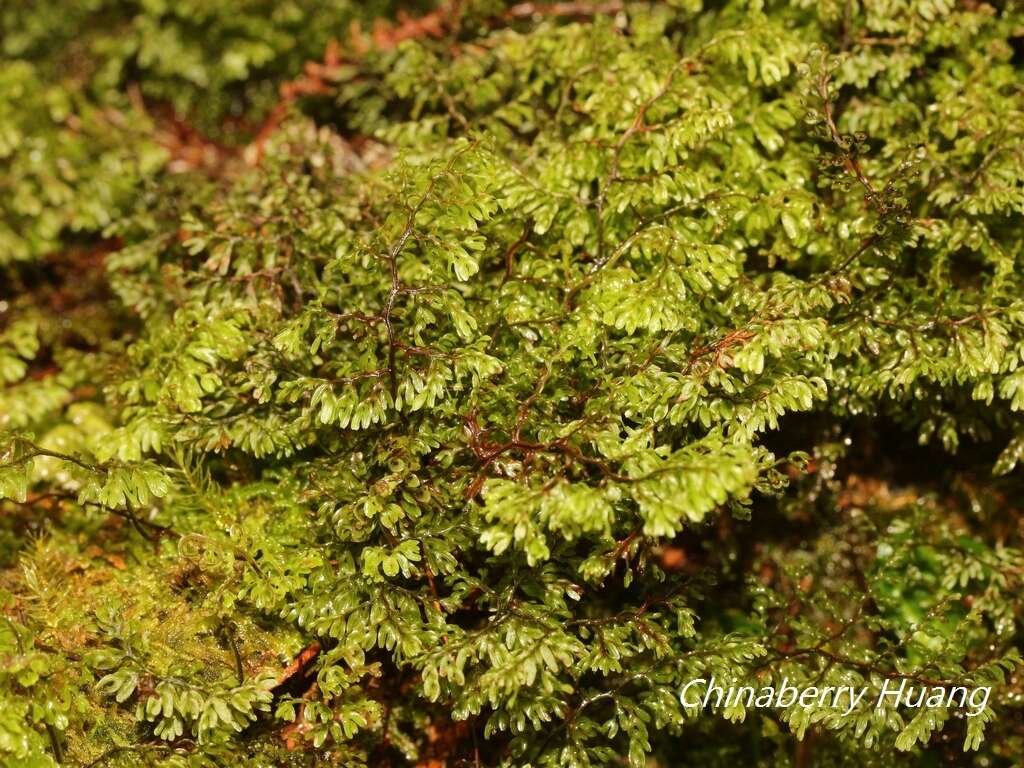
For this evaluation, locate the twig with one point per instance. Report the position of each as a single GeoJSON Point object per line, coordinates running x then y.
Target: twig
{"type": "Point", "coordinates": [527, 10]}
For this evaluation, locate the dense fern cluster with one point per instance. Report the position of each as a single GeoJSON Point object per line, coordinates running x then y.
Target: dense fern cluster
{"type": "Point", "coordinates": [459, 396]}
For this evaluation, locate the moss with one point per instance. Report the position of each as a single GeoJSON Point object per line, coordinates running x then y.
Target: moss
{"type": "Point", "coordinates": [458, 391]}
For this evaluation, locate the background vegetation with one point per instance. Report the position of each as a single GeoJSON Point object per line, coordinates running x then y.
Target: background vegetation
{"type": "Point", "coordinates": [447, 384]}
